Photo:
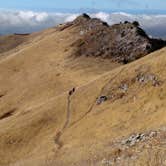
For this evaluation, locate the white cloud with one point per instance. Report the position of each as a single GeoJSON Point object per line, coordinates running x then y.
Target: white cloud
{"type": "Point", "coordinates": [71, 17]}
{"type": "Point", "coordinates": [103, 16]}
{"type": "Point", "coordinates": [154, 25]}
{"type": "Point", "coordinates": [29, 21]}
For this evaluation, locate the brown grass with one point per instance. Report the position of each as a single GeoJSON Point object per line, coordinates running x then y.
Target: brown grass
{"type": "Point", "coordinates": [39, 87]}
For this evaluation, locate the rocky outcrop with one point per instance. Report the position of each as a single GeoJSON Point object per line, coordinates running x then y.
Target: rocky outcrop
{"type": "Point", "coordinates": [123, 42]}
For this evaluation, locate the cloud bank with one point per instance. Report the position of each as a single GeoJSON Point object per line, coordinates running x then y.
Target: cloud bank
{"type": "Point", "coordinates": [29, 21]}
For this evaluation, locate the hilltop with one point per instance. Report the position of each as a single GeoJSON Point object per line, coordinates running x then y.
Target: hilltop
{"type": "Point", "coordinates": [123, 42]}
{"type": "Point", "coordinates": [61, 104]}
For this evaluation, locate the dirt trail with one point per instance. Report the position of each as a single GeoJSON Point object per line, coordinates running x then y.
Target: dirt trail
{"type": "Point", "coordinates": [68, 114]}
{"type": "Point", "coordinates": [94, 102]}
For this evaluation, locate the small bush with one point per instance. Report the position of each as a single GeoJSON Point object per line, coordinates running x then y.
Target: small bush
{"type": "Point", "coordinates": [136, 23]}
{"type": "Point", "coordinates": [126, 22]}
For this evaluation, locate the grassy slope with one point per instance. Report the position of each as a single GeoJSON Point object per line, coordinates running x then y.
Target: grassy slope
{"type": "Point", "coordinates": [34, 84]}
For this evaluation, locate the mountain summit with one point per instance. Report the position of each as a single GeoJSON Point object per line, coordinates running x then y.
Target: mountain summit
{"type": "Point", "coordinates": [123, 42]}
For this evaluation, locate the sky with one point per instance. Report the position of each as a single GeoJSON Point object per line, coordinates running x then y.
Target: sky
{"type": "Point", "coordinates": [26, 16]}
{"type": "Point", "coordinates": [77, 4]}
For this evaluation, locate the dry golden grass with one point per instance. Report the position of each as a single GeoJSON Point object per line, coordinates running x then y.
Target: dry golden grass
{"type": "Point", "coordinates": [35, 82]}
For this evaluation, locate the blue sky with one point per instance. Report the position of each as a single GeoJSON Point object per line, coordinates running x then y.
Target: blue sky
{"type": "Point", "coordinates": [24, 16]}
{"type": "Point", "coordinates": [77, 4]}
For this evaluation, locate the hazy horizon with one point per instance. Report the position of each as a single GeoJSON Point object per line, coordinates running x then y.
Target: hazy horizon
{"type": "Point", "coordinates": [28, 21]}
{"type": "Point", "coordinates": [28, 16]}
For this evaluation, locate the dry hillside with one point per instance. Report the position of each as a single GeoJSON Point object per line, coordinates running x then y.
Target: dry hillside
{"type": "Point", "coordinates": [115, 115]}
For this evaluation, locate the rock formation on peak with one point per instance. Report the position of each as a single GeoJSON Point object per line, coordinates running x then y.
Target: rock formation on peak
{"type": "Point", "coordinates": [82, 17]}
{"type": "Point", "coordinates": [123, 42]}
{"type": "Point", "coordinates": [85, 19]}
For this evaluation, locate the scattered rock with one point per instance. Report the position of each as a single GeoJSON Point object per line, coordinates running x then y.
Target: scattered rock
{"type": "Point", "coordinates": [153, 134]}
{"type": "Point", "coordinates": [136, 138]}
{"type": "Point", "coordinates": [124, 87]}
{"type": "Point", "coordinates": [101, 99]}
{"type": "Point", "coordinates": [123, 151]}
{"type": "Point", "coordinates": [145, 78]}
{"type": "Point", "coordinates": [82, 32]}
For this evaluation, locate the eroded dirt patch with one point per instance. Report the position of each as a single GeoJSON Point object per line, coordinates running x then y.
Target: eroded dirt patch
{"type": "Point", "coordinates": [8, 114]}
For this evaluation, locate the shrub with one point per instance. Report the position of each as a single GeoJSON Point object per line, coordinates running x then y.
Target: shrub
{"type": "Point", "coordinates": [136, 23]}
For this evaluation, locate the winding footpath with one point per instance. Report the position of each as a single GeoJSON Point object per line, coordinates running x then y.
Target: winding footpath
{"type": "Point", "coordinates": [68, 112]}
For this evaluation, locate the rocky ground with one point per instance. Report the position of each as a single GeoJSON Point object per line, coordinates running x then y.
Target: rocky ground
{"type": "Point", "coordinates": [129, 150]}
{"type": "Point", "coordinates": [124, 42]}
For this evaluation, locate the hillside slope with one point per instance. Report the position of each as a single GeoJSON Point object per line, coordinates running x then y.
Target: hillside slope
{"type": "Point", "coordinates": [43, 124]}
